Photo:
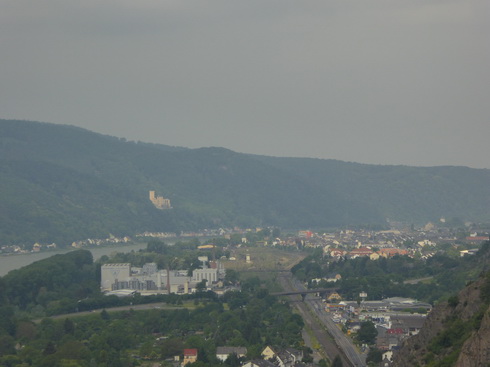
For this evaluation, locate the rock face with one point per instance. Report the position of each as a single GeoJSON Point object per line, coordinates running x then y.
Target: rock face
{"type": "Point", "coordinates": [476, 350]}
{"type": "Point", "coordinates": [456, 333]}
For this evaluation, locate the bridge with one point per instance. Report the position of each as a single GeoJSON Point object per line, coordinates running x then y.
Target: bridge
{"type": "Point", "coordinates": [303, 293]}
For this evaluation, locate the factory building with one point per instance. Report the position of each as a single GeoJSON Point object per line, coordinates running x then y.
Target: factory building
{"type": "Point", "coordinates": [116, 277]}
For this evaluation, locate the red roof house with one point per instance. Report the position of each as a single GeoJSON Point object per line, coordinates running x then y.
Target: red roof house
{"type": "Point", "coordinates": [190, 356]}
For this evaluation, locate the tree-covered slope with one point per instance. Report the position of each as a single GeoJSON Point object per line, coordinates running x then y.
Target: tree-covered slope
{"type": "Point", "coordinates": [403, 193]}
{"type": "Point", "coordinates": [62, 183]}
{"type": "Point", "coordinates": [71, 276]}
{"type": "Point", "coordinates": [44, 202]}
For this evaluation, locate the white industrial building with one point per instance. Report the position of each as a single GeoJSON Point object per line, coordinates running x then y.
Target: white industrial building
{"type": "Point", "coordinates": [112, 272]}
{"type": "Point", "coordinates": [115, 277]}
{"type": "Point", "coordinates": [211, 275]}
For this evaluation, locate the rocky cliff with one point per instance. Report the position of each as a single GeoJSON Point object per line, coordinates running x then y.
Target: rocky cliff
{"type": "Point", "coordinates": [456, 333]}
{"type": "Point", "coordinates": [476, 350]}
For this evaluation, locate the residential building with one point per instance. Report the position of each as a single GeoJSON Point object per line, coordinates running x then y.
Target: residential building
{"type": "Point", "coordinates": [361, 251]}
{"type": "Point", "coordinates": [282, 357]}
{"type": "Point", "coordinates": [190, 356]}
{"type": "Point", "coordinates": [222, 353]}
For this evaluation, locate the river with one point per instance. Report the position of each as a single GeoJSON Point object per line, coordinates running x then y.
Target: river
{"type": "Point", "coordinates": [11, 262]}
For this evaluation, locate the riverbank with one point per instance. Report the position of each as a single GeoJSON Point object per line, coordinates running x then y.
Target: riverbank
{"type": "Point", "coordinates": [17, 261]}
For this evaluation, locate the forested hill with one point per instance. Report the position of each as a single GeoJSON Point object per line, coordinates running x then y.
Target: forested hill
{"type": "Point", "coordinates": [400, 193]}
{"type": "Point", "coordinates": [62, 183]}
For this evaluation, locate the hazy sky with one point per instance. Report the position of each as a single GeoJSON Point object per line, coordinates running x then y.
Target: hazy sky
{"type": "Point", "coordinates": [371, 81]}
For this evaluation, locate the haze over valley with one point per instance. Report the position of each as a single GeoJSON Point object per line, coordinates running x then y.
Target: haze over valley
{"type": "Point", "coordinates": [244, 183]}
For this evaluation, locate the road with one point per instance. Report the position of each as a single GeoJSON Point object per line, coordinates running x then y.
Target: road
{"type": "Point", "coordinates": [148, 306]}
{"type": "Point", "coordinates": [344, 343]}
{"type": "Point", "coordinates": [340, 338]}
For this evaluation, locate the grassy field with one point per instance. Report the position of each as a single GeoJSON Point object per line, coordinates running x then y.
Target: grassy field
{"type": "Point", "coordinates": [265, 263]}
{"type": "Point", "coordinates": [263, 259]}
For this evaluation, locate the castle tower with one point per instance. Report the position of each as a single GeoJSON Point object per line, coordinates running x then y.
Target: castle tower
{"type": "Point", "coordinates": [152, 196]}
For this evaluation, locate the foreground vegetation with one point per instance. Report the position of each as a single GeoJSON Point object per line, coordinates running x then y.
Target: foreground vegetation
{"type": "Point", "coordinates": [250, 318]}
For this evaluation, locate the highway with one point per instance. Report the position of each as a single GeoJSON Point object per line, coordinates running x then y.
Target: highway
{"type": "Point", "coordinates": [343, 342]}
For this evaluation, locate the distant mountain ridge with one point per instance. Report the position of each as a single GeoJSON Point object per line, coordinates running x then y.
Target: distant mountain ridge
{"type": "Point", "coordinates": [63, 183]}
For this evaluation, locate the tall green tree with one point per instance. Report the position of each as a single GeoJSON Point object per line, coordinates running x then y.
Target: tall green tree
{"type": "Point", "coordinates": [367, 333]}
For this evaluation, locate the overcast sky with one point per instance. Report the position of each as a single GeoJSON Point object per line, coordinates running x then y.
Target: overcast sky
{"type": "Point", "coordinates": [370, 81]}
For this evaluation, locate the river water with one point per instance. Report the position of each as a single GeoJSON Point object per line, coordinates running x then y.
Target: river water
{"type": "Point", "coordinates": [11, 262]}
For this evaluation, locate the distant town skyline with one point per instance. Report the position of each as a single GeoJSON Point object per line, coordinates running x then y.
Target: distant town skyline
{"type": "Point", "coordinates": [384, 82]}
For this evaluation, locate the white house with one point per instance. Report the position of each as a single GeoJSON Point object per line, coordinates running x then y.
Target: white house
{"type": "Point", "coordinates": [222, 353]}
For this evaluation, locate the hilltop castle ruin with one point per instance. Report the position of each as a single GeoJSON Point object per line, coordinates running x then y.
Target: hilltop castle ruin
{"type": "Point", "coordinates": [159, 201]}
